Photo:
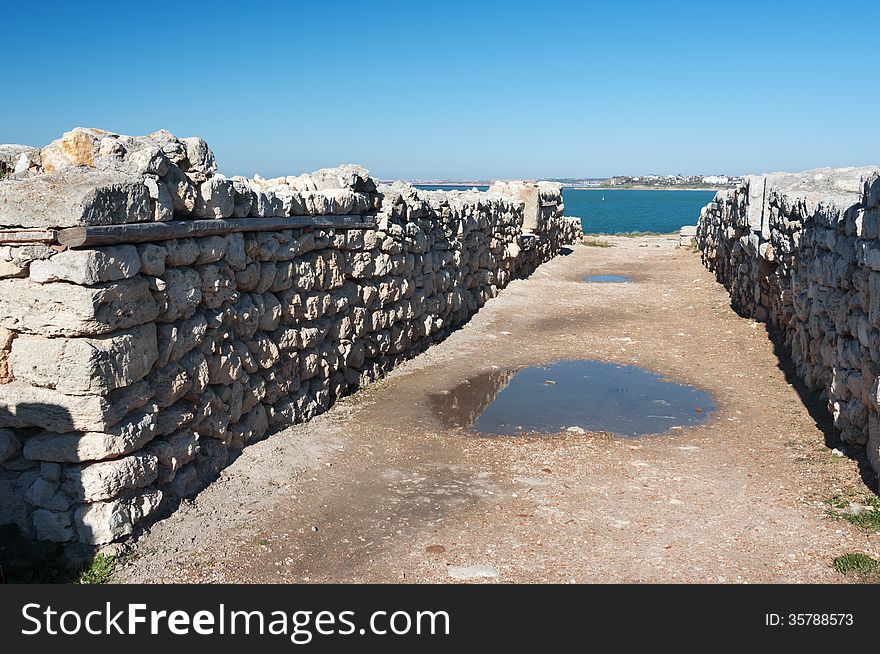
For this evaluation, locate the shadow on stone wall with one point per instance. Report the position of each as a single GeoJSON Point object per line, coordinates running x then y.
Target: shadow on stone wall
{"type": "Point", "coordinates": [32, 507]}
{"type": "Point", "coordinates": [816, 403]}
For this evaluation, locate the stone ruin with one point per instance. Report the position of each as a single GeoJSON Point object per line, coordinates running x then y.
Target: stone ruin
{"type": "Point", "coordinates": [802, 253]}
{"type": "Point", "coordinates": [156, 316]}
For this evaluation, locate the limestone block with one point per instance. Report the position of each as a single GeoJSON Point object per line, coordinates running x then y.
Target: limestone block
{"type": "Point", "coordinates": [174, 417]}
{"type": "Point", "coordinates": [247, 279]}
{"type": "Point", "coordinates": [217, 284]}
{"type": "Point", "coordinates": [23, 405]}
{"type": "Point", "coordinates": [59, 309]}
{"type": "Point", "coordinates": [215, 199]}
{"type": "Point", "coordinates": [171, 383]}
{"type": "Point", "coordinates": [104, 522]}
{"type": "Point", "coordinates": [199, 157]}
{"type": "Point", "coordinates": [225, 367]}
{"type": "Point", "coordinates": [182, 251]}
{"type": "Point", "coordinates": [183, 193]}
{"type": "Point", "coordinates": [6, 338]}
{"type": "Point", "coordinates": [123, 438]}
{"type": "Point", "coordinates": [871, 191]}
{"type": "Point", "coordinates": [74, 197]}
{"type": "Point", "coordinates": [107, 479]}
{"type": "Point", "coordinates": [235, 255]}
{"type": "Point", "coordinates": [161, 202]}
{"type": "Point", "coordinates": [78, 147]}
{"type": "Point", "coordinates": [252, 426]}
{"type": "Point", "coordinates": [183, 292]}
{"type": "Point", "coordinates": [174, 452]}
{"type": "Point", "coordinates": [46, 495]}
{"type": "Point", "coordinates": [152, 258]}
{"type": "Point", "coordinates": [244, 198]}
{"type": "Point", "coordinates": [211, 249]}
{"type": "Point", "coordinates": [53, 526]}
{"type": "Point", "coordinates": [10, 445]}
{"type": "Point", "coordinates": [264, 350]}
{"type": "Point", "coordinates": [271, 313]}
{"type": "Point", "coordinates": [176, 340]}
{"type": "Point", "coordinates": [79, 366]}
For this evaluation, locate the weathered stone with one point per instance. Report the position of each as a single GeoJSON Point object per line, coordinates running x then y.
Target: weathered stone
{"type": "Point", "coordinates": [161, 202]}
{"type": "Point", "coordinates": [74, 197]}
{"type": "Point", "coordinates": [70, 310]}
{"type": "Point", "coordinates": [77, 447]}
{"type": "Point", "coordinates": [77, 147]}
{"type": "Point", "coordinates": [183, 193]}
{"type": "Point", "coordinates": [106, 479]}
{"type": "Point", "coordinates": [244, 198]}
{"type": "Point", "coordinates": [53, 526]}
{"type": "Point", "coordinates": [152, 259]}
{"type": "Point", "coordinates": [182, 251]}
{"type": "Point", "coordinates": [23, 405]}
{"type": "Point", "coordinates": [211, 249]}
{"type": "Point", "coordinates": [85, 365]}
{"type": "Point", "coordinates": [103, 522]}
{"type": "Point", "coordinates": [199, 157]}
{"type": "Point", "coordinates": [171, 383]}
{"type": "Point", "coordinates": [215, 199]}
{"type": "Point", "coordinates": [871, 191]}
{"type": "Point", "coordinates": [88, 266]}
{"type": "Point", "coordinates": [176, 340]}
{"type": "Point", "coordinates": [184, 293]}
{"type": "Point", "coordinates": [45, 494]}
{"type": "Point", "coordinates": [10, 446]}
{"type": "Point", "coordinates": [6, 338]}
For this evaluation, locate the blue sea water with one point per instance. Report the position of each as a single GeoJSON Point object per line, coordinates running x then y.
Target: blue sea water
{"type": "Point", "coordinates": [616, 212]}
{"type": "Point", "coordinates": [635, 211]}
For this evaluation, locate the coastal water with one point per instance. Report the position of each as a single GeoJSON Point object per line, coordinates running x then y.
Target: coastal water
{"type": "Point", "coordinates": [616, 212]}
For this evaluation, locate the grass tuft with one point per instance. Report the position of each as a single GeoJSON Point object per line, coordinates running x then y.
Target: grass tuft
{"type": "Point", "coordinates": [595, 243]}
{"type": "Point", "coordinates": [99, 572]}
{"type": "Point", "coordinates": [856, 563]}
{"type": "Point", "coordinates": [864, 514]}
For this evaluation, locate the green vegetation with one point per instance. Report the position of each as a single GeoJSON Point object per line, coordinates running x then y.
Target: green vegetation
{"type": "Point", "coordinates": [595, 243]}
{"type": "Point", "coordinates": [43, 571]}
{"type": "Point", "coordinates": [864, 513]}
{"type": "Point", "coordinates": [99, 572]}
{"type": "Point", "coordinates": [857, 563]}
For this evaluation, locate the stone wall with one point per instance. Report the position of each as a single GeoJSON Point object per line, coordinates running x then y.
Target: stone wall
{"type": "Point", "coordinates": [131, 371]}
{"type": "Point", "coordinates": [802, 253]}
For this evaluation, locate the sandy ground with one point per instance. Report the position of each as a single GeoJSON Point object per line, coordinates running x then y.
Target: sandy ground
{"type": "Point", "coordinates": [379, 490]}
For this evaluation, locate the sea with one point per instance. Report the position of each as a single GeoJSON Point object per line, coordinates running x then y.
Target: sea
{"type": "Point", "coordinates": [626, 211]}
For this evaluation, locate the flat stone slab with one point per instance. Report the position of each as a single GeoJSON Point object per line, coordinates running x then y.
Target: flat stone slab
{"type": "Point", "coordinates": [74, 197]}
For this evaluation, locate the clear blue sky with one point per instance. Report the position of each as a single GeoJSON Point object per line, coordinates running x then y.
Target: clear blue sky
{"type": "Point", "coordinates": [447, 89]}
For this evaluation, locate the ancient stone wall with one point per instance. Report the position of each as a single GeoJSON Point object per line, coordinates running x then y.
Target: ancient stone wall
{"type": "Point", "coordinates": [155, 316]}
{"type": "Point", "coordinates": [802, 252]}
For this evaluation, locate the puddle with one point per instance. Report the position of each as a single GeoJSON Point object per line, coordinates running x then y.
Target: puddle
{"type": "Point", "coordinates": [593, 395]}
{"type": "Point", "coordinates": [607, 279]}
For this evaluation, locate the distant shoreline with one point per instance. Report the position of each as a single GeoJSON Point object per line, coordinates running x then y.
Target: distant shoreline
{"type": "Point", "coordinates": [643, 188]}
{"type": "Point", "coordinates": [601, 188]}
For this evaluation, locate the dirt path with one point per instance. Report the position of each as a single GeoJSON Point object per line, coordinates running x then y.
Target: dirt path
{"type": "Point", "coordinates": [378, 489]}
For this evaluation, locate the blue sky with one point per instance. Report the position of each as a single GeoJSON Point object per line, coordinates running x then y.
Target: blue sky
{"type": "Point", "coordinates": [459, 90]}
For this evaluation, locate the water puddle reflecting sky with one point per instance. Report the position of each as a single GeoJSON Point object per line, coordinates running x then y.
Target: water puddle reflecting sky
{"type": "Point", "coordinates": [593, 395]}
{"type": "Point", "coordinates": [607, 279]}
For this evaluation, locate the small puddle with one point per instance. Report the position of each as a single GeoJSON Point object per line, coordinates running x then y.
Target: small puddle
{"type": "Point", "coordinates": [592, 395]}
{"type": "Point", "coordinates": [607, 279]}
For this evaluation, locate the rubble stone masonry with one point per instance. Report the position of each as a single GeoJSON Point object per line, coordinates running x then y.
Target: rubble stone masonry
{"type": "Point", "coordinates": [141, 345]}
{"type": "Point", "coordinates": [802, 253]}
